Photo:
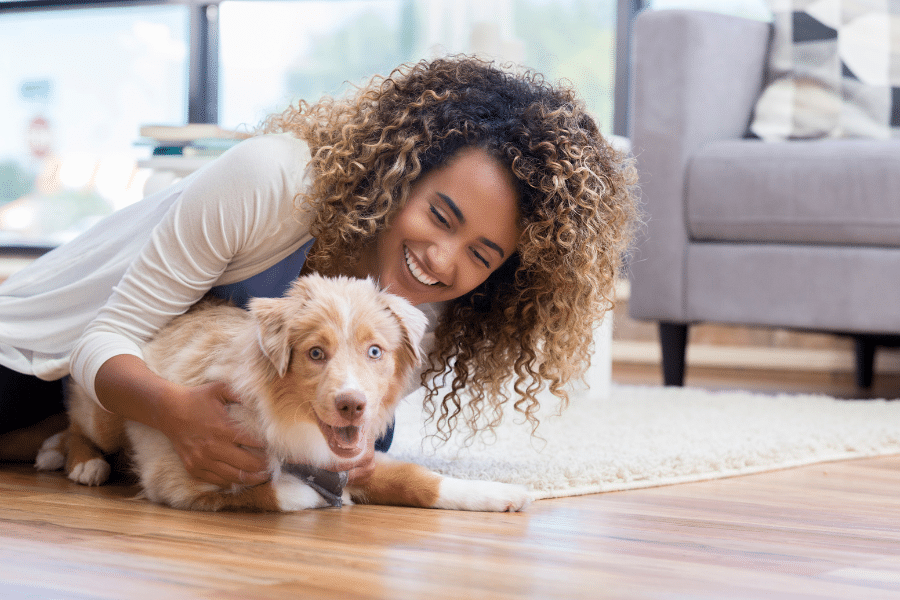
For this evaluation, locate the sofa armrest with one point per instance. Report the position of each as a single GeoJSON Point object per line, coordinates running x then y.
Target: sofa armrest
{"type": "Point", "coordinates": [695, 79]}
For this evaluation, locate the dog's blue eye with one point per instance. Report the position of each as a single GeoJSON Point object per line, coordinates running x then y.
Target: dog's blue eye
{"type": "Point", "coordinates": [375, 352]}
{"type": "Point", "coordinates": [317, 353]}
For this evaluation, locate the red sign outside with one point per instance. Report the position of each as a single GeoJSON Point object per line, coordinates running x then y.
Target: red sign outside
{"type": "Point", "coordinates": [39, 137]}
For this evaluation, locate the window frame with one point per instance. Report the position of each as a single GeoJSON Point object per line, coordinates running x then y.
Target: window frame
{"type": "Point", "coordinates": [203, 74]}
{"type": "Point", "coordinates": [203, 53]}
{"type": "Point", "coordinates": [202, 69]}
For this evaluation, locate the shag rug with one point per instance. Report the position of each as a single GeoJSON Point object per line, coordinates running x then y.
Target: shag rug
{"type": "Point", "coordinates": [651, 436]}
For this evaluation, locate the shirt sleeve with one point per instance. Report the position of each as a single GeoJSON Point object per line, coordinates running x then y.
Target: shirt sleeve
{"type": "Point", "coordinates": [239, 208]}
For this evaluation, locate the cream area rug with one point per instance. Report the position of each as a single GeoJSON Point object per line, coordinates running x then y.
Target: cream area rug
{"type": "Point", "coordinates": [651, 436]}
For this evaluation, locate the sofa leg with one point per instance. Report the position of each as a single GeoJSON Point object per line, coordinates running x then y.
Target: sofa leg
{"type": "Point", "coordinates": [865, 360]}
{"type": "Point", "coordinates": [673, 338]}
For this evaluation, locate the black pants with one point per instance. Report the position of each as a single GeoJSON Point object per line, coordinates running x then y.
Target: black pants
{"type": "Point", "coordinates": [26, 400]}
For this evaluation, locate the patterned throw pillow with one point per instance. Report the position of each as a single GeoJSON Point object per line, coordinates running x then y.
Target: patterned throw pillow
{"type": "Point", "coordinates": [834, 71]}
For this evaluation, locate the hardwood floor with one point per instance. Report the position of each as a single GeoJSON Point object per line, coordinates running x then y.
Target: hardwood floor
{"type": "Point", "coordinates": [828, 531]}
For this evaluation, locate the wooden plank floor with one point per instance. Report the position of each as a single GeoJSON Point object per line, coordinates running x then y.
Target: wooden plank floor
{"type": "Point", "coordinates": [824, 531]}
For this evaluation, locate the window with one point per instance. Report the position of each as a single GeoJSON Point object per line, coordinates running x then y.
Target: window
{"type": "Point", "coordinates": [76, 86]}
{"type": "Point", "coordinates": [275, 53]}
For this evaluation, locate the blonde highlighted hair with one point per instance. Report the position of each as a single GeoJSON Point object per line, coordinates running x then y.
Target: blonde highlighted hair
{"type": "Point", "coordinates": [531, 322]}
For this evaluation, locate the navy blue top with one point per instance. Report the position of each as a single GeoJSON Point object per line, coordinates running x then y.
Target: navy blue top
{"type": "Point", "coordinates": [271, 283]}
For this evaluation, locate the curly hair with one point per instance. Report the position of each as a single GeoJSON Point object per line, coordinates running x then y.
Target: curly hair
{"type": "Point", "coordinates": [531, 321]}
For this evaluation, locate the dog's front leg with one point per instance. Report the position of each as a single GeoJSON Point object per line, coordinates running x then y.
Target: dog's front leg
{"type": "Point", "coordinates": [405, 484]}
{"type": "Point", "coordinates": [293, 494]}
{"type": "Point", "coordinates": [284, 493]}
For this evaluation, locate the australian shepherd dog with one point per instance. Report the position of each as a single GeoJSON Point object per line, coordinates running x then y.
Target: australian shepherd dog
{"type": "Point", "coordinates": [318, 374]}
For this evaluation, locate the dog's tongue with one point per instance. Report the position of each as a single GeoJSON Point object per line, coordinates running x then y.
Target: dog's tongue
{"type": "Point", "coordinates": [347, 436]}
{"type": "Point", "coordinates": [346, 441]}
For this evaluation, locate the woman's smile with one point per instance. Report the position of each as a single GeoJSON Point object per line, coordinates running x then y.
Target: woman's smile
{"type": "Point", "coordinates": [417, 271]}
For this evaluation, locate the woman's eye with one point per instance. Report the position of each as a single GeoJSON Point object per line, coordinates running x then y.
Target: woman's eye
{"type": "Point", "coordinates": [316, 353]}
{"type": "Point", "coordinates": [439, 216]}
{"type": "Point", "coordinates": [481, 258]}
{"type": "Point", "coordinates": [375, 352]}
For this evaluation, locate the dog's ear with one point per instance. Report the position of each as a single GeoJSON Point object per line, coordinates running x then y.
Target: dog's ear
{"type": "Point", "coordinates": [273, 332]}
{"type": "Point", "coordinates": [413, 323]}
{"type": "Point", "coordinates": [273, 329]}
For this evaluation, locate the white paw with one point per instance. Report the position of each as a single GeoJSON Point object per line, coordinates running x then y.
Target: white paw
{"type": "Point", "coordinates": [49, 458]}
{"type": "Point", "coordinates": [488, 496]}
{"type": "Point", "coordinates": [292, 494]}
{"type": "Point", "coordinates": [92, 472]}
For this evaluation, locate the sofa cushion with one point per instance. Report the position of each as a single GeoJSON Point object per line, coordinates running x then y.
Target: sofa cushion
{"type": "Point", "coordinates": [806, 192]}
{"type": "Point", "coordinates": [834, 71]}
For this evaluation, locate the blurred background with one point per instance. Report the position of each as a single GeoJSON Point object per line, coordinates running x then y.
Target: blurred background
{"type": "Point", "coordinates": [78, 80]}
{"type": "Point", "coordinates": [77, 84]}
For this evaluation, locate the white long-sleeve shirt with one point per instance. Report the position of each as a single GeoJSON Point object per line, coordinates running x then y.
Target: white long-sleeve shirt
{"type": "Point", "coordinates": [109, 291]}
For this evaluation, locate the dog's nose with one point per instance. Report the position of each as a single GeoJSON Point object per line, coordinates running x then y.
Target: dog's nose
{"type": "Point", "coordinates": [351, 405]}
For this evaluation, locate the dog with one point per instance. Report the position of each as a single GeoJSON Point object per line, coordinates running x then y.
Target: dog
{"type": "Point", "coordinates": [318, 372]}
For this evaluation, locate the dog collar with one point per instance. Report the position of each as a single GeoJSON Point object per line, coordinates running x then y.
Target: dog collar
{"type": "Point", "coordinates": [328, 484]}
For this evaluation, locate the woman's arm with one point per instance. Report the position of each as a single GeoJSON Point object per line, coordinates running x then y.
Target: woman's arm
{"type": "Point", "coordinates": [236, 213]}
{"type": "Point", "coordinates": [194, 420]}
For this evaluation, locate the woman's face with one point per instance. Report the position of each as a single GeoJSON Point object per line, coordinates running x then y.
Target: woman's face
{"type": "Point", "coordinates": [460, 223]}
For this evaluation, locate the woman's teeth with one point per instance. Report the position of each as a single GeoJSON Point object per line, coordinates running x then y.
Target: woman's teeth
{"type": "Point", "coordinates": [416, 271]}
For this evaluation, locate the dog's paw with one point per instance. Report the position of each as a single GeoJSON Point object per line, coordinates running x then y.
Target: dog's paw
{"type": "Point", "coordinates": [292, 494]}
{"type": "Point", "coordinates": [92, 472]}
{"type": "Point", "coordinates": [488, 496]}
{"type": "Point", "coordinates": [51, 457]}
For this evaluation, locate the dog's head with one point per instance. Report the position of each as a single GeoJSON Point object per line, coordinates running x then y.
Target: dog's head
{"type": "Point", "coordinates": [340, 354]}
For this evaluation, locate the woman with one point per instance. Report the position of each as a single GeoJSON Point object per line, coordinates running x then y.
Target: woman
{"type": "Point", "coordinates": [489, 197]}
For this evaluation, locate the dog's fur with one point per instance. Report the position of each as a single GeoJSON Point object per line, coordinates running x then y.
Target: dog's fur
{"type": "Point", "coordinates": [318, 373]}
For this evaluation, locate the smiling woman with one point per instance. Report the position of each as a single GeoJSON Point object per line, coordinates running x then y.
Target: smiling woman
{"type": "Point", "coordinates": [523, 268]}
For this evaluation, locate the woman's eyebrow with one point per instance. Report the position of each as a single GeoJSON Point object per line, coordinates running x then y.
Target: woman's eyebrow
{"type": "Point", "coordinates": [492, 245]}
{"type": "Point", "coordinates": [452, 206]}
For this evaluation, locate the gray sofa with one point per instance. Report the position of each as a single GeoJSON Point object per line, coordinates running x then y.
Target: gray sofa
{"type": "Point", "coordinates": [799, 234]}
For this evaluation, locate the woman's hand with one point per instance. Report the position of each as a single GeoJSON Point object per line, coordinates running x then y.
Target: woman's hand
{"type": "Point", "coordinates": [193, 418]}
{"type": "Point", "coordinates": [207, 441]}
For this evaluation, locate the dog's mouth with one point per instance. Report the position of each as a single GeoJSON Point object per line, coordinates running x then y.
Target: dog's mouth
{"type": "Point", "coordinates": [345, 442]}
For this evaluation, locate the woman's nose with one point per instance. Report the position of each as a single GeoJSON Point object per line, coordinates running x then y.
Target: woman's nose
{"type": "Point", "coordinates": [440, 258]}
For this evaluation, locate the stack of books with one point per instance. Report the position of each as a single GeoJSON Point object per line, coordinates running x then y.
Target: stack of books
{"type": "Point", "coordinates": [194, 140]}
